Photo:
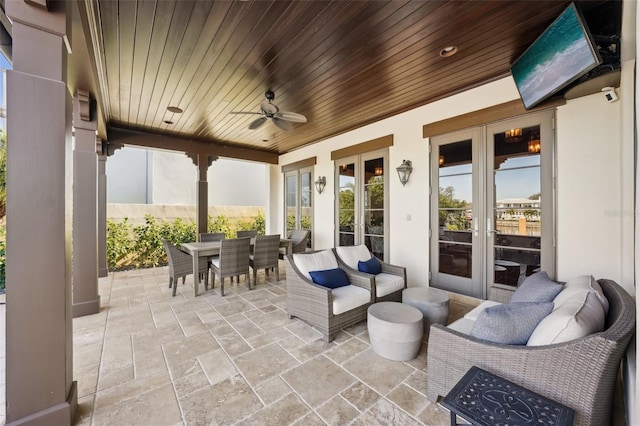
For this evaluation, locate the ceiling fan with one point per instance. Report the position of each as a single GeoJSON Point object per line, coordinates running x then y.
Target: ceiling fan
{"type": "Point", "coordinates": [282, 119]}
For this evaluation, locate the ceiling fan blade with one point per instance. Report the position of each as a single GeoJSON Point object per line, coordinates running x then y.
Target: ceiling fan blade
{"type": "Point", "coordinates": [257, 123]}
{"type": "Point", "coordinates": [291, 116]}
{"type": "Point", "coordinates": [283, 125]}
{"type": "Point", "coordinates": [244, 112]}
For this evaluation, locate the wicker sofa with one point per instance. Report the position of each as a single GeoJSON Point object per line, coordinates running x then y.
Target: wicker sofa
{"type": "Point", "coordinates": [579, 373]}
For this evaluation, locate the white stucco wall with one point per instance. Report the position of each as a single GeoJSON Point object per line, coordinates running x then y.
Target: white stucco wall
{"type": "Point", "coordinates": [590, 167]}
{"type": "Point", "coordinates": [593, 234]}
{"type": "Point", "coordinates": [127, 176]}
{"type": "Point", "coordinates": [138, 176]}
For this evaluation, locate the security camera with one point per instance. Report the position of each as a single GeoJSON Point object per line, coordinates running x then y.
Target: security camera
{"type": "Point", "coordinates": [610, 94]}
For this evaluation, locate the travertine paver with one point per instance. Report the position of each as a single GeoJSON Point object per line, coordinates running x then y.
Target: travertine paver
{"type": "Point", "coordinates": [150, 358]}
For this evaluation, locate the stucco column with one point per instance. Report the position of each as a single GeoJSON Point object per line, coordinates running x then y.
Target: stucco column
{"type": "Point", "coordinates": [86, 300]}
{"type": "Point", "coordinates": [39, 360]}
{"type": "Point", "coordinates": [202, 196]}
{"type": "Point", "coordinates": [103, 270]}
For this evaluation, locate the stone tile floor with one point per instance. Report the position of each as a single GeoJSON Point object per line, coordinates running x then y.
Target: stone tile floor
{"type": "Point", "coordinates": [151, 359]}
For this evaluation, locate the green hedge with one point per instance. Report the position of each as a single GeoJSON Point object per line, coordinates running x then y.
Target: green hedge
{"type": "Point", "coordinates": [141, 246]}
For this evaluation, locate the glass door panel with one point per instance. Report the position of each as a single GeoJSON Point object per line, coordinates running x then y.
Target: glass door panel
{"type": "Point", "coordinates": [453, 264]}
{"type": "Point", "coordinates": [455, 201]}
{"type": "Point", "coordinates": [306, 210]}
{"type": "Point", "coordinates": [373, 209]}
{"type": "Point", "coordinates": [291, 200]}
{"type": "Point", "coordinates": [517, 204]}
{"type": "Point", "coordinates": [346, 204]}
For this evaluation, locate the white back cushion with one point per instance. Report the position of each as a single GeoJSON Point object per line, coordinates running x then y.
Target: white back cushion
{"type": "Point", "coordinates": [576, 317]}
{"type": "Point", "coordinates": [351, 255]}
{"type": "Point", "coordinates": [582, 284]}
{"type": "Point", "coordinates": [320, 261]}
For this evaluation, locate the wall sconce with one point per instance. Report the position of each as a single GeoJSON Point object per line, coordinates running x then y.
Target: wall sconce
{"type": "Point", "coordinates": [321, 182]}
{"type": "Point", "coordinates": [404, 171]}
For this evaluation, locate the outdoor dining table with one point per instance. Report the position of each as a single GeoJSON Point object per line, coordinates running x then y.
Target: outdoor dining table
{"type": "Point", "coordinates": [212, 248]}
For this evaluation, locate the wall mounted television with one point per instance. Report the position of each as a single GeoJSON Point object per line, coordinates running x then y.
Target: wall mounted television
{"type": "Point", "coordinates": [564, 52]}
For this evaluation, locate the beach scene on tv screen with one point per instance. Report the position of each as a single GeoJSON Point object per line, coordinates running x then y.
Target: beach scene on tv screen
{"type": "Point", "coordinates": [562, 54]}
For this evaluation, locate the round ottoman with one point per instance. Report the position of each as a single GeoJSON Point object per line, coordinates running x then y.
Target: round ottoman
{"type": "Point", "coordinates": [395, 330]}
{"type": "Point", "coordinates": [434, 304]}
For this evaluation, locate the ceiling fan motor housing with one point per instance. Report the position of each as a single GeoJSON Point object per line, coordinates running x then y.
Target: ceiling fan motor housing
{"type": "Point", "coordinates": [269, 95]}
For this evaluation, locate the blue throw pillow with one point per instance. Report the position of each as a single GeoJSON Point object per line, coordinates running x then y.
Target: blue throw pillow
{"type": "Point", "coordinates": [537, 287]}
{"type": "Point", "coordinates": [371, 266]}
{"type": "Point", "coordinates": [510, 323]}
{"type": "Point", "coordinates": [330, 278]}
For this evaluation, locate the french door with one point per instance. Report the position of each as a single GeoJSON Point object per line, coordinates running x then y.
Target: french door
{"type": "Point", "coordinates": [362, 204]}
{"type": "Point", "coordinates": [492, 205]}
{"type": "Point", "coordinates": [298, 191]}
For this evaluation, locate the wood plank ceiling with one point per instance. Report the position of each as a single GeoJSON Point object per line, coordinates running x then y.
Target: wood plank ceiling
{"type": "Point", "coordinates": [342, 64]}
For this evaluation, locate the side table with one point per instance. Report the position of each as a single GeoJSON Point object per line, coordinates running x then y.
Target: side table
{"type": "Point", "coordinates": [485, 399]}
{"type": "Point", "coordinates": [395, 330]}
{"type": "Point", "coordinates": [434, 304]}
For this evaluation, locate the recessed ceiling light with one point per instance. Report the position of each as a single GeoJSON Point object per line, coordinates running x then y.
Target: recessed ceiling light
{"type": "Point", "coordinates": [168, 122]}
{"type": "Point", "coordinates": [174, 109]}
{"type": "Point", "coordinates": [449, 51]}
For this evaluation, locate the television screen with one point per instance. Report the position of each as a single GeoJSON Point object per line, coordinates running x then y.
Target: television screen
{"type": "Point", "coordinates": [564, 52]}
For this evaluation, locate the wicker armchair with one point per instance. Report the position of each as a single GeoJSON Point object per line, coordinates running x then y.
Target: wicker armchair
{"type": "Point", "coordinates": [388, 284]}
{"type": "Point", "coordinates": [299, 239]}
{"type": "Point", "coordinates": [316, 304]}
{"type": "Point", "coordinates": [265, 255]}
{"type": "Point", "coordinates": [233, 261]}
{"type": "Point", "coordinates": [181, 265]}
{"type": "Point", "coordinates": [580, 373]}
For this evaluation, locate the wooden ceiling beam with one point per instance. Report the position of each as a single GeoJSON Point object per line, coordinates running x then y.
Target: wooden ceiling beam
{"type": "Point", "coordinates": [119, 137]}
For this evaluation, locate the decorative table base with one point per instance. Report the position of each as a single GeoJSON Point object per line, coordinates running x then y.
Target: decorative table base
{"type": "Point", "coordinates": [485, 399]}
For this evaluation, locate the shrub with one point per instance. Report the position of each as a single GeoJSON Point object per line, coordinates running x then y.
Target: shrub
{"type": "Point", "coordinates": [220, 224]}
{"type": "Point", "coordinates": [141, 246]}
{"type": "Point", "coordinates": [119, 242]}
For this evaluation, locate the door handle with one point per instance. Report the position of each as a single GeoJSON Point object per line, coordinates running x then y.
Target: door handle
{"type": "Point", "coordinates": [490, 231]}
{"type": "Point", "coordinates": [475, 227]}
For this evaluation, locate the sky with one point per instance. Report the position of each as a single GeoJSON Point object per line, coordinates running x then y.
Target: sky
{"type": "Point", "coordinates": [516, 178]}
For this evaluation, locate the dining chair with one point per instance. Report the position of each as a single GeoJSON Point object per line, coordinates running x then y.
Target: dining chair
{"type": "Point", "coordinates": [233, 261]}
{"type": "Point", "coordinates": [181, 265]}
{"type": "Point", "coordinates": [265, 255]}
{"type": "Point", "coordinates": [206, 237]}
{"type": "Point", "coordinates": [250, 233]}
{"type": "Point", "coordinates": [299, 239]}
